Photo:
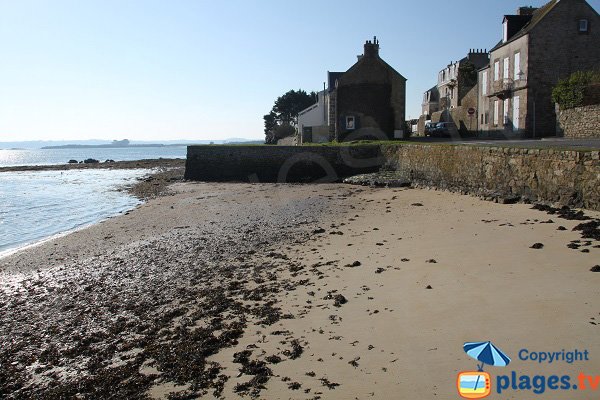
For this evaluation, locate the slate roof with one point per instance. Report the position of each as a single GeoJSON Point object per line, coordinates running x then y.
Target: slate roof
{"type": "Point", "coordinates": [536, 17]}
{"type": "Point", "coordinates": [332, 77]}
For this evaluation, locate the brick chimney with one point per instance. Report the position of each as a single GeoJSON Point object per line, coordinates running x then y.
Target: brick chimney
{"type": "Point", "coordinates": [372, 48]}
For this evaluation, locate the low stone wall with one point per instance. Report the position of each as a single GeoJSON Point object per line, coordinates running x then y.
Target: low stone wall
{"type": "Point", "coordinates": [565, 177]}
{"type": "Point", "coordinates": [280, 163]}
{"type": "Point", "coordinates": [580, 122]}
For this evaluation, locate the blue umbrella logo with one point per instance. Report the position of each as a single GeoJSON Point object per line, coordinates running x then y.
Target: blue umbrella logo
{"type": "Point", "coordinates": [487, 353]}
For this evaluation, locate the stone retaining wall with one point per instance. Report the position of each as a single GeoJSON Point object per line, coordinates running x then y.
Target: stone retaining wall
{"type": "Point", "coordinates": [556, 176]}
{"type": "Point", "coordinates": [565, 177]}
{"type": "Point", "coordinates": [580, 122]}
{"type": "Point", "coordinates": [280, 163]}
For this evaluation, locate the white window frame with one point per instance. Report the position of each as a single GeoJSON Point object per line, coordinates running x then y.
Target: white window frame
{"type": "Point", "coordinates": [484, 82]}
{"type": "Point", "coordinates": [496, 111]}
{"type": "Point", "coordinates": [506, 74]}
{"type": "Point", "coordinates": [505, 108]}
{"type": "Point", "coordinates": [516, 118]}
{"type": "Point", "coordinates": [496, 70]}
{"type": "Point", "coordinates": [350, 122]}
{"type": "Point", "coordinates": [517, 67]}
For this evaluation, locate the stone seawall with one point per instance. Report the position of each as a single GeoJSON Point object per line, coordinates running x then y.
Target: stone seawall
{"type": "Point", "coordinates": [280, 163]}
{"type": "Point", "coordinates": [549, 175]}
{"type": "Point", "coordinates": [580, 122]}
{"type": "Point", "coordinates": [566, 177]}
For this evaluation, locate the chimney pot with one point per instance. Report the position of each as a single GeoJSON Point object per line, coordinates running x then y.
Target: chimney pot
{"type": "Point", "coordinates": [372, 48]}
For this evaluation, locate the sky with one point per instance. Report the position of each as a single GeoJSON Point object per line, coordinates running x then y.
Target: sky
{"type": "Point", "coordinates": [200, 70]}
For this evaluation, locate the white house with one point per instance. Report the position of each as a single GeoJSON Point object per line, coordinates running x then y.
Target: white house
{"type": "Point", "coordinates": [312, 121]}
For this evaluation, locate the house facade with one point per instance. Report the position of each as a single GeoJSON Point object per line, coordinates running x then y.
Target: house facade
{"type": "Point", "coordinates": [431, 101]}
{"type": "Point", "coordinates": [538, 48]}
{"type": "Point", "coordinates": [455, 93]}
{"type": "Point", "coordinates": [313, 124]}
{"type": "Point", "coordinates": [368, 100]}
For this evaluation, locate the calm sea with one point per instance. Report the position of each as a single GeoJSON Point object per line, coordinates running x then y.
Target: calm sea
{"type": "Point", "coordinates": [37, 205]}
{"type": "Point", "coordinates": [62, 156]}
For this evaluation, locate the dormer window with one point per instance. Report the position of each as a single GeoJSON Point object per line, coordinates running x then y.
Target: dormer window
{"type": "Point", "coordinates": [583, 25]}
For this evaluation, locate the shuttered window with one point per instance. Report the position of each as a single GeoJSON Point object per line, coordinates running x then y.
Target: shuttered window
{"type": "Point", "coordinates": [497, 70]}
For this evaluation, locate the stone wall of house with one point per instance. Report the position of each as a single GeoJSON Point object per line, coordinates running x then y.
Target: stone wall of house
{"type": "Point", "coordinates": [557, 49]}
{"type": "Point", "coordinates": [510, 174]}
{"type": "Point", "coordinates": [580, 122]}
{"type": "Point", "coordinates": [288, 141]}
{"type": "Point", "coordinates": [565, 177]}
{"type": "Point", "coordinates": [421, 126]}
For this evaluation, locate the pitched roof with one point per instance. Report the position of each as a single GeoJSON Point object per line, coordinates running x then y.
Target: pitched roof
{"type": "Point", "coordinates": [332, 77]}
{"type": "Point", "coordinates": [536, 17]}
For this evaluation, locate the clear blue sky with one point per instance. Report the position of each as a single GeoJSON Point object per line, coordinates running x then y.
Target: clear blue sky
{"type": "Point", "coordinates": [180, 69]}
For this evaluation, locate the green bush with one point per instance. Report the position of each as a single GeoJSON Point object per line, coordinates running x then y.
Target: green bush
{"type": "Point", "coordinates": [570, 92]}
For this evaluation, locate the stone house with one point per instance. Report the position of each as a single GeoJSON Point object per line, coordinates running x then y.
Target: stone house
{"type": "Point", "coordinates": [539, 47]}
{"type": "Point", "coordinates": [431, 102]}
{"type": "Point", "coordinates": [368, 100]}
{"type": "Point", "coordinates": [455, 92]}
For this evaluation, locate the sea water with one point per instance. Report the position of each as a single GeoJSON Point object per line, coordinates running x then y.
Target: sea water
{"type": "Point", "coordinates": [36, 205]}
{"type": "Point", "coordinates": [10, 158]}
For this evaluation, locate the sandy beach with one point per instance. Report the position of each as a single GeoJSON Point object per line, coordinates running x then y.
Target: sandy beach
{"type": "Point", "coordinates": [281, 291]}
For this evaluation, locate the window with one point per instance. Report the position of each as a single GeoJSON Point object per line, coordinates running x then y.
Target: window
{"type": "Point", "coordinates": [486, 118]}
{"type": "Point", "coordinates": [516, 113]}
{"type": "Point", "coordinates": [484, 83]}
{"type": "Point", "coordinates": [583, 25]}
{"type": "Point", "coordinates": [518, 72]}
{"type": "Point", "coordinates": [505, 113]}
{"type": "Point", "coordinates": [496, 70]}
{"type": "Point", "coordinates": [350, 122]}
{"type": "Point", "coordinates": [496, 111]}
{"type": "Point", "coordinates": [506, 68]}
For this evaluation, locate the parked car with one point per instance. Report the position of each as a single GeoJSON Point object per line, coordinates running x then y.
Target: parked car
{"type": "Point", "coordinates": [429, 128]}
{"type": "Point", "coordinates": [445, 129]}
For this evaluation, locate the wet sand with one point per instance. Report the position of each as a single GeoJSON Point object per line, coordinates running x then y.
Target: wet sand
{"type": "Point", "coordinates": [295, 291]}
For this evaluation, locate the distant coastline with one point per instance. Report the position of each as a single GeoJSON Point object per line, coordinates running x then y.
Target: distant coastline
{"type": "Point", "coordinates": [109, 146]}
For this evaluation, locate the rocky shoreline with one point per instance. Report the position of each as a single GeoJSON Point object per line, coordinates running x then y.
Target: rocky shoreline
{"type": "Point", "coordinates": [141, 164]}
{"type": "Point", "coordinates": [113, 324]}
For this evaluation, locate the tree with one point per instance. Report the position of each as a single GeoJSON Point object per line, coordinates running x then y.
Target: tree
{"type": "Point", "coordinates": [283, 117]}
{"type": "Point", "coordinates": [571, 91]}
{"type": "Point", "coordinates": [270, 126]}
{"type": "Point", "coordinates": [467, 73]}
